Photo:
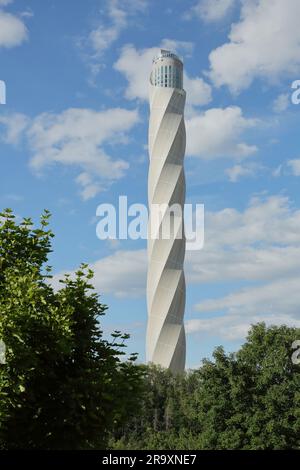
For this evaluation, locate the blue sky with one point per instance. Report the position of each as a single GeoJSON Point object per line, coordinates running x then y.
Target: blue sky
{"type": "Point", "coordinates": [73, 134]}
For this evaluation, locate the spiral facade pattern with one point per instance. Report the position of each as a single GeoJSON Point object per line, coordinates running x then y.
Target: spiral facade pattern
{"type": "Point", "coordinates": [166, 188]}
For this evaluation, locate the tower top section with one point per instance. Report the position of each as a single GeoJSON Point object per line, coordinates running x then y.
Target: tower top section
{"type": "Point", "coordinates": [167, 70]}
{"type": "Point", "coordinates": [166, 54]}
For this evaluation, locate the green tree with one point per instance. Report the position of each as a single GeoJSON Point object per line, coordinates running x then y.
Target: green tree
{"type": "Point", "coordinates": [251, 399]}
{"type": "Point", "coordinates": [273, 418]}
{"type": "Point", "coordinates": [63, 386]}
{"type": "Point", "coordinates": [247, 400]}
{"type": "Point", "coordinates": [164, 420]}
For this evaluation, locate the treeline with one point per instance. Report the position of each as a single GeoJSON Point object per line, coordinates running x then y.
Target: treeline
{"type": "Point", "coordinates": [63, 386]}
{"type": "Point", "coordinates": [247, 400]}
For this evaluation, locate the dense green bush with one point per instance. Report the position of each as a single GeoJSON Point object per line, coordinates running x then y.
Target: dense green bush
{"type": "Point", "coordinates": [63, 386]}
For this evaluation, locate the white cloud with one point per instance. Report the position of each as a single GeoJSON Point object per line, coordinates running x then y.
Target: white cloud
{"type": "Point", "coordinates": [280, 296]}
{"type": "Point", "coordinates": [27, 13]}
{"type": "Point", "coordinates": [234, 327]}
{"type": "Point", "coordinates": [116, 17]}
{"type": "Point", "coordinates": [217, 133]}
{"type": "Point", "coordinates": [15, 125]}
{"type": "Point", "coordinates": [277, 171]}
{"type": "Point", "coordinates": [3, 3]}
{"type": "Point", "coordinates": [260, 245]}
{"type": "Point", "coordinates": [265, 43]}
{"type": "Point", "coordinates": [238, 171]}
{"type": "Point", "coordinates": [198, 91]}
{"type": "Point", "coordinates": [76, 137]}
{"type": "Point", "coordinates": [102, 37]}
{"type": "Point", "coordinates": [122, 274]}
{"type": "Point", "coordinates": [118, 13]}
{"type": "Point", "coordinates": [211, 10]}
{"type": "Point", "coordinates": [281, 103]}
{"type": "Point", "coordinates": [137, 77]}
{"type": "Point", "coordinates": [12, 30]}
{"type": "Point", "coordinates": [257, 242]}
{"type": "Point", "coordinates": [295, 166]}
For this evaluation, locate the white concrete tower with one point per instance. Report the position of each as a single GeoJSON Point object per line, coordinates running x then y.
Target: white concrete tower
{"type": "Point", "coordinates": [166, 186]}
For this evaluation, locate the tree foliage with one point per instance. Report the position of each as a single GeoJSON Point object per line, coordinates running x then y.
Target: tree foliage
{"type": "Point", "coordinates": [63, 386]}
{"type": "Point", "coordinates": [247, 400]}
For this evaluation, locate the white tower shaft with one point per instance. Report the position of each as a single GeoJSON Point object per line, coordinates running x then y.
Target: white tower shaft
{"type": "Point", "coordinates": [166, 187]}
